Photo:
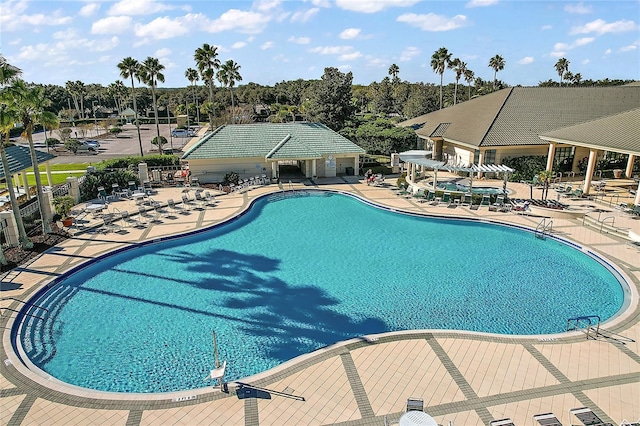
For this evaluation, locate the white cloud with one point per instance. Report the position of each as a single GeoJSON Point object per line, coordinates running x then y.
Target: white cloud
{"type": "Point", "coordinates": [266, 5]}
{"type": "Point", "coordinates": [321, 3]}
{"type": "Point", "coordinates": [13, 19]}
{"type": "Point", "coordinates": [344, 68]}
{"type": "Point", "coordinates": [162, 53]}
{"type": "Point", "coordinates": [600, 27]}
{"type": "Point", "coordinates": [433, 22]}
{"type": "Point", "coordinates": [372, 6]}
{"type": "Point", "coordinates": [409, 53]}
{"type": "Point", "coordinates": [30, 53]}
{"type": "Point", "coordinates": [299, 40]}
{"type": "Point", "coordinates": [558, 54]}
{"type": "Point", "coordinates": [161, 29]}
{"type": "Point", "coordinates": [350, 56]}
{"type": "Point", "coordinates": [607, 52]}
{"type": "Point", "coordinates": [281, 58]}
{"type": "Point", "coordinates": [350, 33]}
{"type": "Point", "coordinates": [89, 9]}
{"type": "Point", "coordinates": [583, 41]}
{"type": "Point", "coordinates": [560, 49]}
{"type": "Point", "coordinates": [628, 48]}
{"type": "Point", "coordinates": [526, 60]}
{"type": "Point", "coordinates": [480, 3]}
{"type": "Point", "coordinates": [137, 7]}
{"type": "Point", "coordinates": [546, 27]}
{"type": "Point", "coordinates": [332, 50]}
{"type": "Point", "coordinates": [267, 45]}
{"type": "Point", "coordinates": [304, 16]}
{"type": "Point", "coordinates": [241, 21]}
{"type": "Point", "coordinates": [586, 62]}
{"type": "Point", "coordinates": [377, 63]}
{"type": "Point", "coordinates": [238, 45]}
{"type": "Point", "coordinates": [111, 25]}
{"type": "Point", "coordinates": [578, 9]}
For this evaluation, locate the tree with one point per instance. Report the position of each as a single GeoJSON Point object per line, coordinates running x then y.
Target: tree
{"type": "Point", "coordinates": [193, 77]}
{"type": "Point", "coordinates": [459, 67]}
{"type": "Point", "coordinates": [151, 73]}
{"type": "Point", "coordinates": [30, 103]}
{"type": "Point", "coordinates": [8, 117]}
{"type": "Point", "coordinates": [562, 66]}
{"type": "Point", "coordinates": [468, 77]}
{"type": "Point", "coordinates": [577, 78]}
{"type": "Point", "coordinates": [228, 75]}
{"type": "Point", "coordinates": [497, 63]}
{"type": "Point", "coordinates": [330, 99]}
{"type": "Point", "coordinates": [439, 62]}
{"type": "Point", "coordinates": [394, 70]}
{"type": "Point", "coordinates": [129, 68]}
{"type": "Point", "coordinates": [73, 91]}
{"type": "Point", "coordinates": [207, 62]}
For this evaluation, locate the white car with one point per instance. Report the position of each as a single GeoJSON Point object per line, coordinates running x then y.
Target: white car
{"type": "Point", "coordinates": [182, 133]}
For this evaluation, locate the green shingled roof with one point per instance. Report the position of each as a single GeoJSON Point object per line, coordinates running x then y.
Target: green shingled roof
{"type": "Point", "coordinates": [19, 158]}
{"type": "Point", "coordinates": [621, 131]}
{"type": "Point", "coordinates": [516, 116]}
{"type": "Point", "coordinates": [272, 140]}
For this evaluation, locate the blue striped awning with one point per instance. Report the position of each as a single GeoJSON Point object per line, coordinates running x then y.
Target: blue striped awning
{"type": "Point", "coordinates": [20, 159]}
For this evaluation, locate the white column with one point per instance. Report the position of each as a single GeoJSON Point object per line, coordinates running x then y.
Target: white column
{"type": "Point", "coordinates": [413, 172]}
{"type": "Point", "coordinates": [143, 172]}
{"type": "Point", "coordinates": [550, 155]}
{"type": "Point", "coordinates": [74, 188]}
{"type": "Point", "coordinates": [637, 200]}
{"type": "Point", "coordinates": [630, 162]}
{"type": "Point", "coordinates": [11, 231]}
{"type": "Point", "coordinates": [274, 170]}
{"type": "Point", "coordinates": [480, 162]}
{"type": "Point", "coordinates": [591, 166]}
{"type": "Point", "coordinates": [47, 196]}
{"type": "Point", "coordinates": [313, 167]}
{"type": "Point", "coordinates": [356, 165]}
{"type": "Point", "coordinates": [49, 177]}
{"type": "Point", "coordinates": [25, 182]}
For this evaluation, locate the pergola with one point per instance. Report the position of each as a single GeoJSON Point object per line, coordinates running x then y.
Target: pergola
{"type": "Point", "coordinates": [19, 158]}
{"type": "Point", "coordinates": [423, 158]}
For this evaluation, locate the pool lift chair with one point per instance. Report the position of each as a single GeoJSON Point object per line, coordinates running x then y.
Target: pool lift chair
{"type": "Point", "coordinates": [218, 372]}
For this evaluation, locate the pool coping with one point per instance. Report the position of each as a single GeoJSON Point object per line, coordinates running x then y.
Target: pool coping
{"type": "Point", "coordinates": [40, 378]}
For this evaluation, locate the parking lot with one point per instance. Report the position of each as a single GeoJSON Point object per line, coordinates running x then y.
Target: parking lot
{"type": "Point", "coordinates": [125, 144]}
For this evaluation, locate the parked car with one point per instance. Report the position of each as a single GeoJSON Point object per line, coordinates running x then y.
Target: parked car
{"type": "Point", "coordinates": [92, 143]}
{"type": "Point", "coordinates": [183, 133]}
{"type": "Point", "coordinates": [86, 150]}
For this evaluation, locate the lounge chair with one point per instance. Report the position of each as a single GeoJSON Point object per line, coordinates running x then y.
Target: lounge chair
{"type": "Point", "coordinates": [564, 190]}
{"type": "Point", "coordinates": [109, 222]}
{"type": "Point", "coordinates": [587, 417]}
{"type": "Point", "coordinates": [486, 200]}
{"type": "Point", "coordinates": [127, 219]}
{"type": "Point", "coordinates": [430, 196]}
{"type": "Point", "coordinates": [147, 215]}
{"type": "Point", "coordinates": [502, 422]}
{"type": "Point", "coordinates": [172, 205]}
{"type": "Point", "coordinates": [415, 404]}
{"type": "Point", "coordinates": [547, 419]}
{"type": "Point", "coordinates": [467, 200]}
{"type": "Point", "coordinates": [446, 198]}
{"type": "Point", "coordinates": [187, 202]}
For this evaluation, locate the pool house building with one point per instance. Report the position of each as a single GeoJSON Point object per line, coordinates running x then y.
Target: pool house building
{"type": "Point", "coordinates": [311, 149]}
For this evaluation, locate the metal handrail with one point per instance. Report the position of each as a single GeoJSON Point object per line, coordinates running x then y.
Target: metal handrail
{"type": "Point", "coordinates": [613, 221]}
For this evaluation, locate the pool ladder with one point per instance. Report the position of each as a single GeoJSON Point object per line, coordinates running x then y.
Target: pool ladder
{"type": "Point", "coordinates": [544, 228]}
{"type": "Point", "coordinates": [584, 322]}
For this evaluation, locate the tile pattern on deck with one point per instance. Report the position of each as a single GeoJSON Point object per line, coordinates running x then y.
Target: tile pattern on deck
{"type": "Point", "coordinates": [464, 378]}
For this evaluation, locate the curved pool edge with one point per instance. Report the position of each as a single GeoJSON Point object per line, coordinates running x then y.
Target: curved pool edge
{"type": "Point", "coordinates": [630, 306]}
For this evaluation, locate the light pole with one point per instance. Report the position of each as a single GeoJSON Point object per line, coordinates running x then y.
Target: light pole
{"type": "Point", "coordinates": [170, 134]}
{"type": "Point", "coordinates": [95, 120]}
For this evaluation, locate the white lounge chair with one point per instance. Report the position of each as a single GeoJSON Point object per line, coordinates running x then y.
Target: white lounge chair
{"type": "Point", "coordinates": [547, 419]}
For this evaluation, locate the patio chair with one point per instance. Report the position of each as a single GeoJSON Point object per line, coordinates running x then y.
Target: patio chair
{"type": "Point", "coordinates": [502, 422]}
{"type": "Point", "coordinates": [187, 202]}
{"type": "Point", "coordinates": [547, 419]}
{"type": "Point", "coordinates": [109, 222]}
{"type": "Point", "coordinates": [102, 194]}
{"type": "Point", "coordinates": [587, 417]}
{"type": "Point", "coordinates": [147, 215]}
{"type": "Point", "coordinates": [127, 219]}
{"type": "Point", "coordinates": [173, 207]}
{"type": "Point", "coordinates": [446, 198]}
{"type": "Point", "coordinates": [415, 404]}
{"type": "Point", "coordinates": [486, 200]}
{"type": "Point", "coordinates": [210, 199]}
{"type": "Point", "coordinates": [467, 199]}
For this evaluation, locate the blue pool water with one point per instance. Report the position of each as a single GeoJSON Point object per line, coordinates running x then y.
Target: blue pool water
{"type": "Point", "coordinates": [296, 274]}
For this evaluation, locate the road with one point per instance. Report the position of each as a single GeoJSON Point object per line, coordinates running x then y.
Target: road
{"type": "Point", "coordinates": [126, 144]}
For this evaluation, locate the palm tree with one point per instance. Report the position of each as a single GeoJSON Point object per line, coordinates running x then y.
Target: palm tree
{"type": "Point", "coordinates": [72, 88]}
{"type": "Point", "coordinates": [117, 91]}
{"type": "Point", "coordinates": [439, 61]}
{"type": "Point", "coordinates": [497, 63]}
{"type": "Point", "coordinates": [577, 78]}
{"type": "Point", "coordinates": [468, 77]}
{"type": "Point", "coordinates": [228, 75]}
{"type": "Point", "coordinates": [8, 117]}
{"type": "Point", "coordinates": [459, 67]}
{"type": "Point", "coordinates": [561, 67]}
{"type": "Point", "coordinates": [30, 103]}
{"type": "Point", "coordinates": [151, 74]}
{"type": "Point", "coordinates": [129, 68]}
{"type": "Point", "coordinates": [207, 61]}
{"type": "Point", "coordinates": [193, 77]}
{"type": "Point", "coordinates": [394, 70]}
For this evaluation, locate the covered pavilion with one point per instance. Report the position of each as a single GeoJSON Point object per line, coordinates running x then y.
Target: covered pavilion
{"type": "Point", "coordinates": [19, 158]}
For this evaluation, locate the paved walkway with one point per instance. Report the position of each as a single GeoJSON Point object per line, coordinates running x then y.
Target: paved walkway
{"type": "Point", "coordinates": [464, 378]}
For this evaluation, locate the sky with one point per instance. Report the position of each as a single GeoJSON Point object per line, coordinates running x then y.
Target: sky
{"type": "Point", "coordinates": [54, 41]}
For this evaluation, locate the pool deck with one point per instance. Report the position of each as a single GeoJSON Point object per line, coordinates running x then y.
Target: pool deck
{"type": "Point", "coordinates": [464, 378]}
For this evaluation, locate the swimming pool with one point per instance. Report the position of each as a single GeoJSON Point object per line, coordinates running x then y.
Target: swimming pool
{"type": "Point", "coordinates": [295, 274]}
{"type": "Point", "coordinates": [453, 186]}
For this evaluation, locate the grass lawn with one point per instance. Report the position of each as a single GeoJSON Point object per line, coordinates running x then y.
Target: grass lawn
{"type": "Point", "coordinates": [57, 173]}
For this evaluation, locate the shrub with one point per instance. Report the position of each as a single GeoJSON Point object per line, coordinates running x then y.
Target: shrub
{"type": "Point", "coordinates": [52, 142]}
{"type": "Point", "coordinates": [231, 178]}
{"type": "Point", "coordinates": [525, 167]}
{"type": "Point", "coordinates": [63, 205]}
{"type": "Point", "coordinates": [132, 162]}
{"type": "Point", "coordinates": [72, 145]}
{"type": "Point", "coordinates": [163, 141]}
{"type": "Point", "coordinates": [89, 186]}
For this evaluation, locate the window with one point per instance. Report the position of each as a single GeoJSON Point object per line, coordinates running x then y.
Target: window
{"type": "Point", "coordinates": [564, 158]}
{"type": "Point", "coordinates": [489, 156]}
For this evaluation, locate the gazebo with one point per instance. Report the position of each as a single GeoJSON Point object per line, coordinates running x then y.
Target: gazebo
{"type": "Point", "coordinates": [19, 158]}
{"type": "Point", "coordinates": [423, 158]}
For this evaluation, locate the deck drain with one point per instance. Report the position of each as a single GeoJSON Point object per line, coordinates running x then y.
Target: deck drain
{"type": "Point", "coordinates": [184, 398]}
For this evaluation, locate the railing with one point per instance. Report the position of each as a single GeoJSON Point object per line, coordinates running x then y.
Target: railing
{"type": "Point", "coordinates": [613, 221]}
{"type": "Point", "coordinates": [543, 229]}
{"type": "Point", "coordinates": [576, 324]}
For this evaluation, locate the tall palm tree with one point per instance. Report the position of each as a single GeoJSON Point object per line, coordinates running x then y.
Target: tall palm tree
{"type": "Point", "coordinates": [72, 88]}
{"type": "Point", "coordinates": [439, 61]}
{"type": "Point", "coordinates": [81, 91]}
{"type": "Point", "coordinates": [468, 77]}
{"type": "Point", "coordinates": [459, 67]}
{"type": "Point", "coordinates": [117, 91]}
{"type": "Point", "coordinates": [151, 73]}
{"type": "Point", "coordinates": [394, 70]}
{"type": "Point", "coordinates": [228, 75]}
{"type": "Point", "coordinates": [561, 67]}
{"type": "Point", "coordinates": [497, 63]}
{"type": "Point", "coordinates": [8, 117]}
{"type": "Point", "coordinates": [129, 68]}
{"type": "Point", "coordinates": [577, 78]}
{"type": "Point", "coordinates": [207, 62]}
{"type": "Point", "coordinates": [30, 103]}
{"type": "Point", "coordinates": [193, 77]}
